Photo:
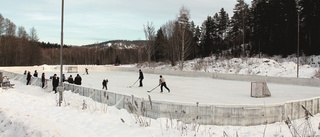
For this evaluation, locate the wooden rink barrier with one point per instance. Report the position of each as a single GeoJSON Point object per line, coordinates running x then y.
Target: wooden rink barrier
{"type": "Point", "coordinates": [213, 114]}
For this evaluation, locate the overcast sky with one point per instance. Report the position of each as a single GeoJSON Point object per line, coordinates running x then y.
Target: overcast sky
{"type": "Point", "coordinates": [93, 21]}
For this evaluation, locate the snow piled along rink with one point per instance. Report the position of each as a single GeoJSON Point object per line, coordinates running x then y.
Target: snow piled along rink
{"type": "Point", "coordinates": [29, 111]}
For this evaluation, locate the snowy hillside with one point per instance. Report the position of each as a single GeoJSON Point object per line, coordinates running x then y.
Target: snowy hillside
{"type": "Point", "coordinates": [275, 66]}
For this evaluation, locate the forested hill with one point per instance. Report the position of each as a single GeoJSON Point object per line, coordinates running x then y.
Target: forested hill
{"type": "Point", "coordinates": [122, 44]}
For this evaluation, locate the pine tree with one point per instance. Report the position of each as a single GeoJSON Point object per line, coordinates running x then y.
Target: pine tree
{"type": "Point", "coordinates": [309, 28]}
{"type": "Point", "coordinates": [208, 35]}
{"type": "Point", "coordinates": [159, 54]}
{"type": "Point", "coordinates": [239, 24]}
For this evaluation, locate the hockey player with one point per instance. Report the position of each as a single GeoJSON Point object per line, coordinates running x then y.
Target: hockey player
{"type": "Point", "coordinates": [87, 71]}
{"type": "Point", "coordinates": [104, 84]}
{"type": "Point", "coordinates": [141, 78]}
{"type": "Point", "coordinates": [162, 83]}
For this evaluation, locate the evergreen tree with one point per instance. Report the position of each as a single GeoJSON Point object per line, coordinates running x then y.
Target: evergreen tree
{"type": "Point", "coordinates": [223, 21]}
{"type": "Point", "coordinates": [208, 36]}
{"type": "Point", "coordinates": [159, 47]}
{"type": "Point", "coordinates": [274, 26]}
{"type": "Point", "coordinates": [309, 26]}
{"type": "Point", "coordinates": [195, 30]}
{"type": "Point", "coordinates": [239, 34]}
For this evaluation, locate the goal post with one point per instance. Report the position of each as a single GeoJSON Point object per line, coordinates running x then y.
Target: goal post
{"type": "Point", "coordinates": [72, 69]}
{"type": "Point", "coordinates": [259, 89]}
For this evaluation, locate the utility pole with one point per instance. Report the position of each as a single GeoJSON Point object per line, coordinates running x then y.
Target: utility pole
{"type": "Point", "coordinates": [298, 38]}
{"type": "Point", "coordinates": [61, 89]}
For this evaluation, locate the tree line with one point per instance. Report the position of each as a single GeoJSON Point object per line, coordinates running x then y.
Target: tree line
{"type": "Point", "coordinates": [20, 48]}
{"type": "Point", "coordinates": [267, 27]}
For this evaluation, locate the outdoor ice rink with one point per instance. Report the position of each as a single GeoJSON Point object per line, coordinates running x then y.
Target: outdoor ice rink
{"type": "Point", "coordinates": [192, 89]}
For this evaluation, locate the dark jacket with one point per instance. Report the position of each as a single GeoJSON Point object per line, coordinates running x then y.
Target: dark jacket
{"type": "Point", "coordinates": [141, 75]}
{"type": "Point", "coordinates": [77, 80]}
{"type": "Point", "coordinates": [43, 79]}
{"type": "Point", "coordinates": [55, 81]}
{"type": "Point", "coordinates": [28, 76]}
{"type": "Point", "coordinates": [104, 82]}
{"type": "Point", "coordinates": [35, 74]}
{"type": "Point", "coordinates": [70, 80]}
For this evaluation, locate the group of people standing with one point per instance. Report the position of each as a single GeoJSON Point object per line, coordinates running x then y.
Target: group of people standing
{"type": "Point", "coordinates": [55, 81]}
{"type": "Point", "coordinates": [77, 80]}
{"type": "Point", "coordinates": [35, 74]}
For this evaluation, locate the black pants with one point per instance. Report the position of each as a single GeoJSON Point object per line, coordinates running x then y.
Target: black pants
{"type": "Point", "coordinates": [141, 83]}
{"type": "Point", "coordinates": [28, 82]}
{"type": "Point", "coordinates": [104, 86]}
{"type": "Point", "coordinates": [164, 85]}
{"type": "Point", "coordinates": [54, 89]}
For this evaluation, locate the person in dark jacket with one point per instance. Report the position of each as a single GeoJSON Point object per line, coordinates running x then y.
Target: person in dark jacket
{"type": "Point", "coordinates": [63, 78]}
{"type": "Point", "coordinates": [141, 78]}
{"type": "Point", "coordinates": [87, 71]}
{"type": "Point", "coordinates": [35, 74]}
{"type": "Point", "coordinates": [77, 80]}
{"type": "Point", "coordinates": [28, 78]}
{"type": "Point", "coordinates": [43, 80]}
{"type": "Point", "coordinates": [104, 84]}
{"type": "Point", "coordinates": [70, 79]}
{"type": "Point", "coordinates": [55, 83]}
{"type": "Point", "coordinates": [162, 83]}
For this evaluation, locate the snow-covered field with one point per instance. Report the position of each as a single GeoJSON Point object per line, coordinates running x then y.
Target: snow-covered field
{"type": "Point", "coordinates": [28, 111]}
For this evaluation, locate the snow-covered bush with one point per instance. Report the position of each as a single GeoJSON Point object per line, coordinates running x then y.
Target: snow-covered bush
{"type": "Point", "coordinates": [317, 74]}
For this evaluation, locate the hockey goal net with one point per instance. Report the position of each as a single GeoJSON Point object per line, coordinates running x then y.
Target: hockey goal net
{"type": "Point", "coordinates": [72, 69]}
{"type": "Point", "coordinates": [259, 89]}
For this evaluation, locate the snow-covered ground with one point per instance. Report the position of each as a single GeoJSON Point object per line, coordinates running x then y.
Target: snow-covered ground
{"type": "Point", "coordinates": [273, 66]}
{"type": "Point", "coordinates": [29, 111]}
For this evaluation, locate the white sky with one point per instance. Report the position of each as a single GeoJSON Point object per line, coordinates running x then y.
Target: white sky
{"type": "Point", "coordinates": [88, 22]}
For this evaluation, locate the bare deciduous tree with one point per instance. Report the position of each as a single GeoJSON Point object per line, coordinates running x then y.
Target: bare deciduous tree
{"type": "Point", "coordinates": [149, 32]}
{"type": "Point", "coordinates": [22, 33]}
{"type": "Point", "coordinates": [33, 34]}
{"type": "Point", "coordinates": [10, 28]}
{"type": "Point", "coordinates": [185, 34]}
{"type": "Point", "coordinates": [1, 25]}
{"type": "Point", "coordinates": [170, 48]}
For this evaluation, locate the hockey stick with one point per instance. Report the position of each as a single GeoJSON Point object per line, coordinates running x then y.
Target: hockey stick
{"type": "Point", "coordinates": [153, 88]}
{"type": "Point", "coordinates": [133, 84]}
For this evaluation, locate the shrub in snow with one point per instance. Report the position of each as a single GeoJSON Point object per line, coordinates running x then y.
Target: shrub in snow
{"type": "Point", "coordinates": [317, 74]}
